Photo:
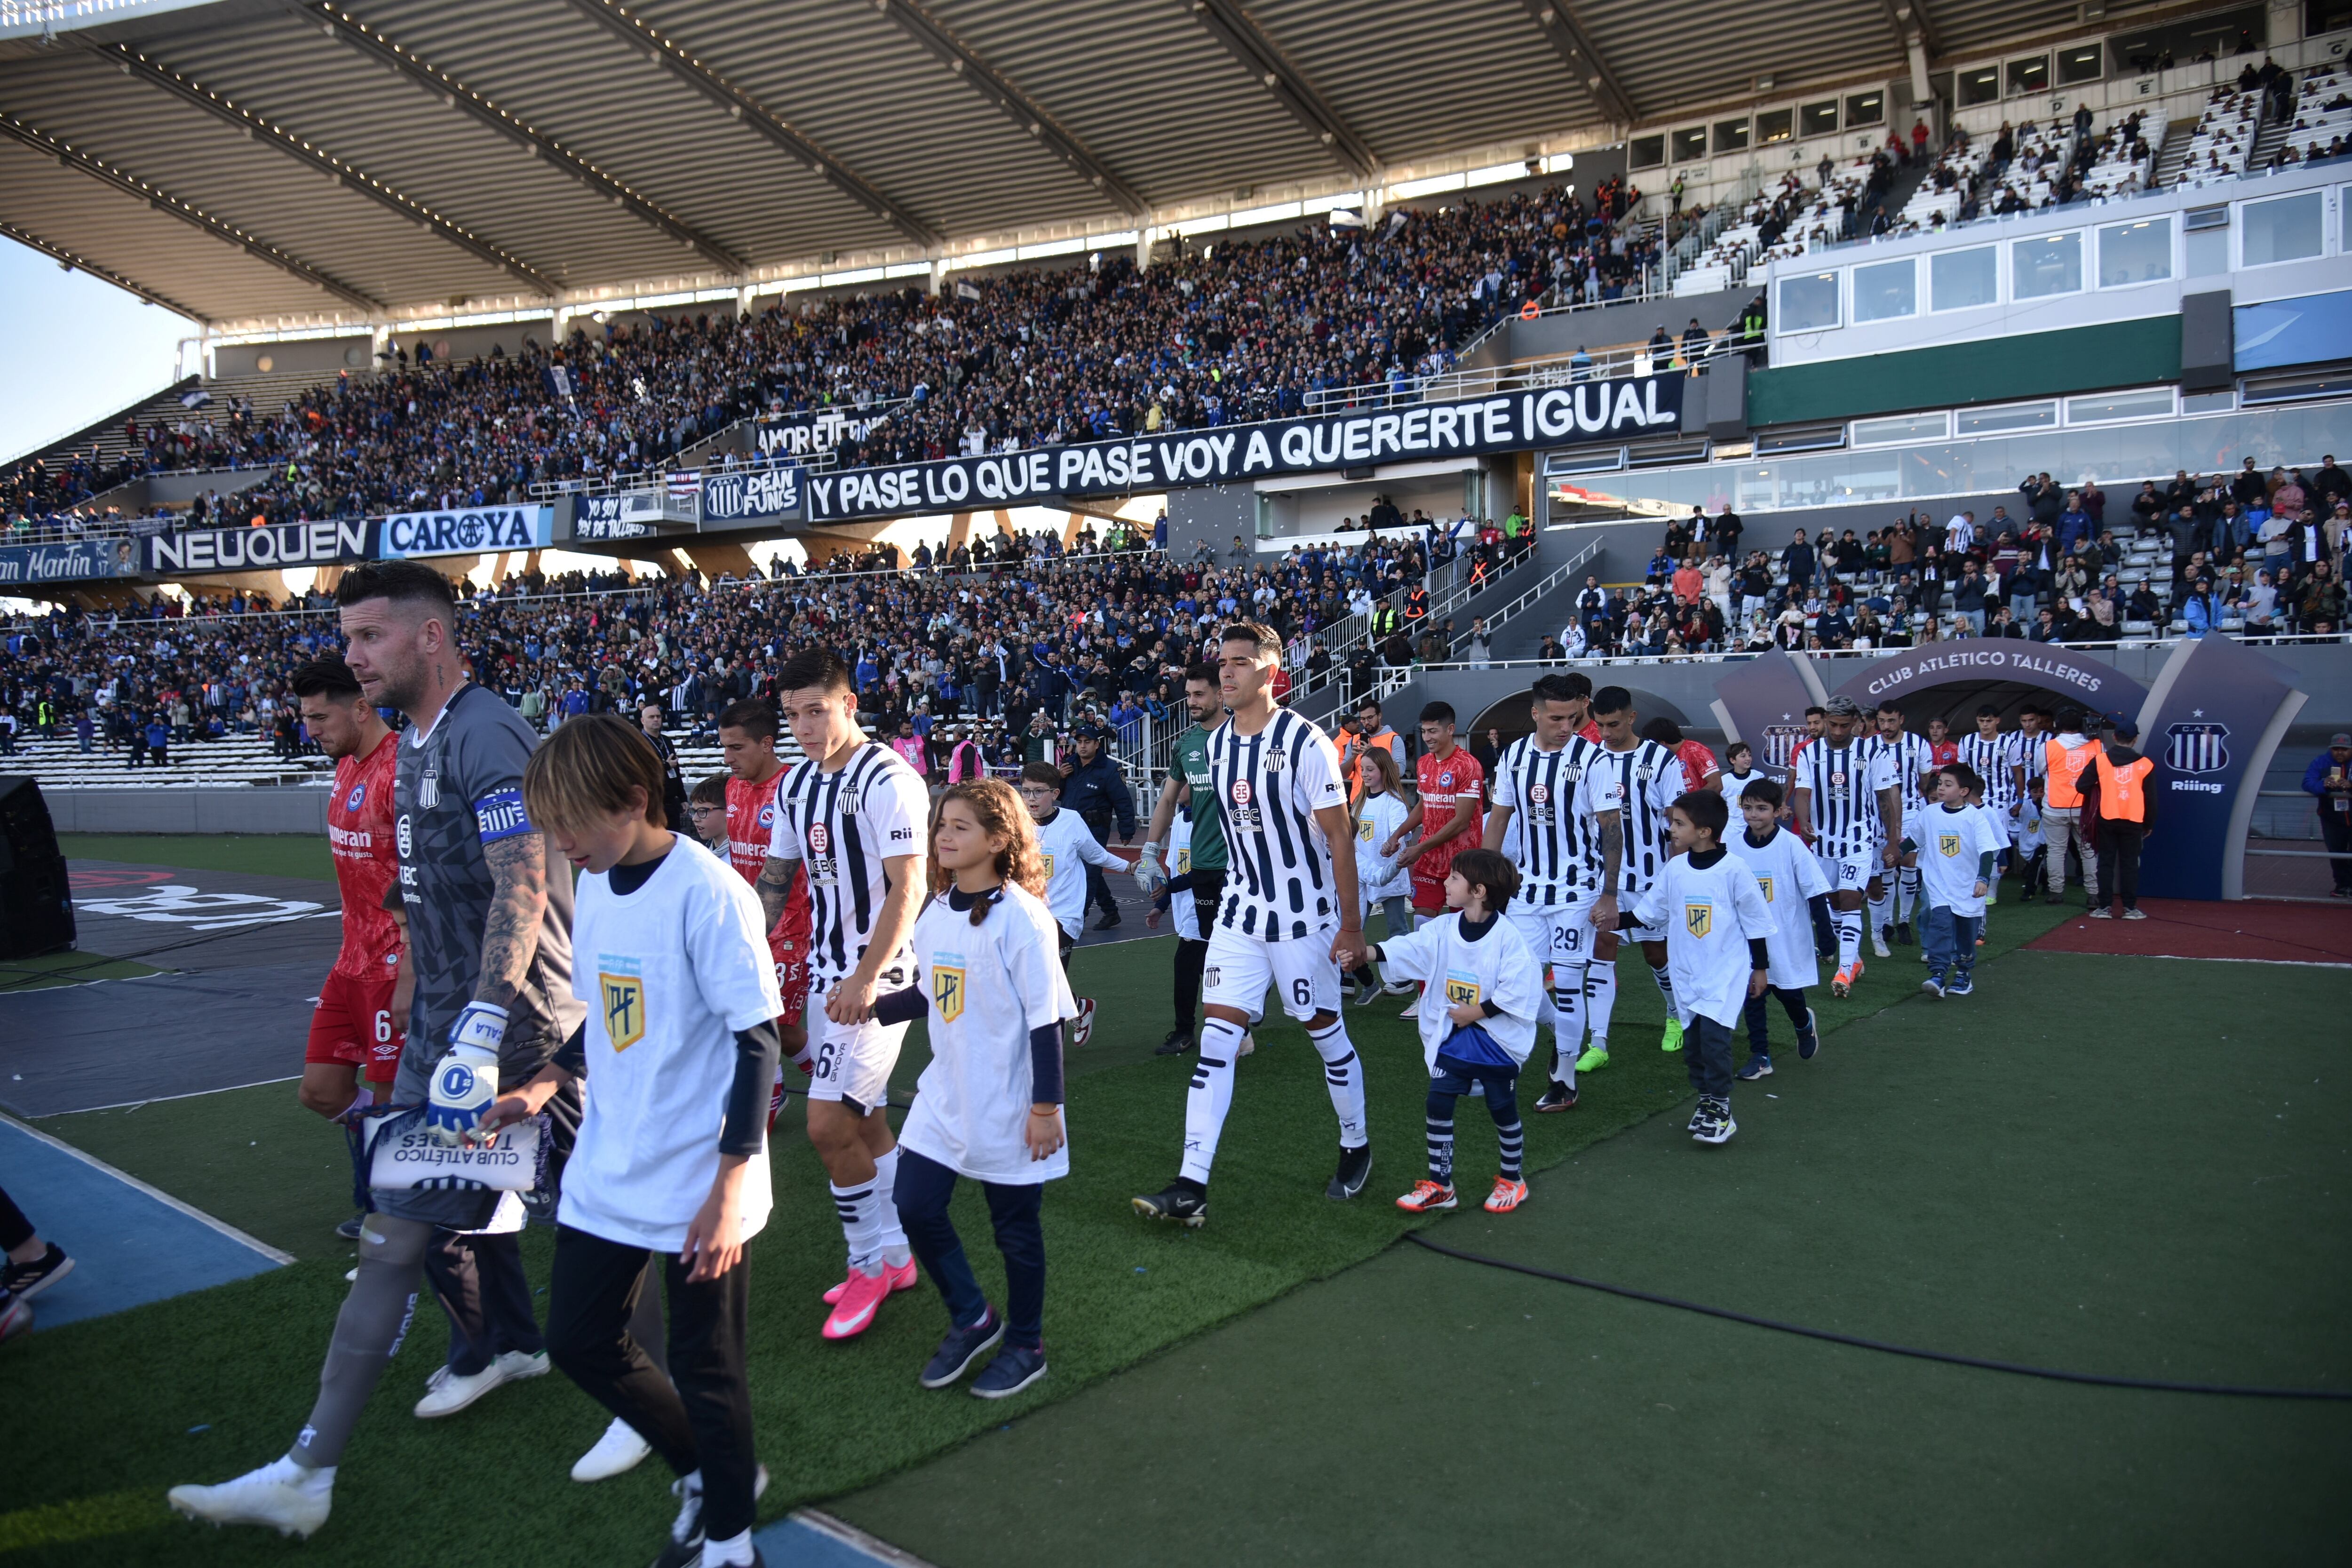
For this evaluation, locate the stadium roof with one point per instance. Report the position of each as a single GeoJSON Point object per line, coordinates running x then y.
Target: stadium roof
{"type": "Point", "coordinates": [275, 162]}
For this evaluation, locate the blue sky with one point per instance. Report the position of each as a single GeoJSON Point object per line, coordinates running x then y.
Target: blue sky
{"type": "Point", "coordinates": [75, 348]}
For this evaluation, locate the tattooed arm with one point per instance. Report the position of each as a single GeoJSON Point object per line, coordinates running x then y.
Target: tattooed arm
{"type": "Point", "coordinates": [1613, 857]}
{"type": "Point", "coordinates": [775, 884]}
{"type": "Point", "coordinates": [518, 903]}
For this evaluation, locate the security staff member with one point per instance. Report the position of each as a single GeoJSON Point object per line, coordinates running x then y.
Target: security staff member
{"type": "Point", "coordinates": [2126, 812]}
{"type": "Point", "coordinates": [2067, 754]}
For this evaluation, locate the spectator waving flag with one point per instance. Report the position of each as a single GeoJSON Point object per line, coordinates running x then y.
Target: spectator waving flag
{"type": "Point", "coordinates": [684, 484]}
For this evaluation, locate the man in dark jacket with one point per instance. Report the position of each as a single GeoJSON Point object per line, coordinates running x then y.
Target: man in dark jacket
{"type": "Point", "coordinates": [1093, 787]}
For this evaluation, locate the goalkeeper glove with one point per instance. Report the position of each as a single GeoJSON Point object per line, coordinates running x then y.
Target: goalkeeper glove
{"type": "Point", "coordinates": [465, 1079]}
{"type": "Point", "coordinates": [1150, 876]}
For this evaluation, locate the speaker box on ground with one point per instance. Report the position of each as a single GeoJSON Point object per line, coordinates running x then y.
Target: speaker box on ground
{"type": "Point", "coordinates": [36, 903]}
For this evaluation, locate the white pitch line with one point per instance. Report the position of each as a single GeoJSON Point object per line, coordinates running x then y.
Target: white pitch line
{"type": "Point", "coordinates": [158, 1194]}
{"type": "Point", "coordinates": [160, 1099]}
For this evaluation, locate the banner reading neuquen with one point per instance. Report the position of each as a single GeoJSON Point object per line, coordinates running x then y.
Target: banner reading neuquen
{"type": "Point", "coordinates": [472, 532]}
{"type": "Point", "coordinates": [261, 549]}
{"type": "Point", "coordinates": [1519, 421]}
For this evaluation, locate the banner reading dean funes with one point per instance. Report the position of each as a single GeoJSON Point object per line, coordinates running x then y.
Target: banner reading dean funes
{"type": "Point", "coordinates": [1511, 422]}
{"type": "Point", "coordinates": [474, 530]}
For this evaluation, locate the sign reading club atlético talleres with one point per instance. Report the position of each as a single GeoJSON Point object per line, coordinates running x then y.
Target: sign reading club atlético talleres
{"type": "Point", "coordinates": [1508, 422]}
{"type": "Point", "coordinates": [471, 531]}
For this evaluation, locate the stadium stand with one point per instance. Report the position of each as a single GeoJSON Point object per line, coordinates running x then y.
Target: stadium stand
{"type": "Point", "coordinates": [1318, 319]}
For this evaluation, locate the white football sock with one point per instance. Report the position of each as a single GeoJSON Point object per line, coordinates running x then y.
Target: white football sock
{"type": "Point", "coordinates": [735, 1552]}
{"type": "Point", "coordinates": [895, 1250]}
{"type": "Point", "coordinates": [1210, 1096]}
{"type": "Point", "coordinates": [1600, 999]}
{"type": "Point", "coordinates": [859, 1206]}
{"type": "Point", "coordinates": [1568, 1002]}
{"type": "Point", "coordinates": [1907, 895]}
{"type": "Point", "coordinates": [1848, 934]}
{"type": "Point", "coordinates": [1343, 1071]}
{"type": "Point", "coordinates": [1882, 910]}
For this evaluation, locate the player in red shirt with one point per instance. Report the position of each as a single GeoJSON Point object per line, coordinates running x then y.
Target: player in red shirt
{"type": "Point", "coordinates": [357, 1031]}
{"type": "Point", "coordinates": [1445, 821]}
{"type": "Point", "coordinates": [747, 742]}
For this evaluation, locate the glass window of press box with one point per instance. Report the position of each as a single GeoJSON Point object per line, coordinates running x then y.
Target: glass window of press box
{"type": "Point", "coordinates": [2286, 229]}
{"type": "Point", "coordinates": [1646, 151]}
{"type": "Point", "coordinates": [1775, 125]}
{"type": "Point", "coordinates": [1731, 136]}
{"type": "Point", "coordinates": [2029, 76]}
{"type": "Point", "coordinates": [1961, 279]}
{"type": "Point", "coordinates": [1817, 119]}
{"type": "Point", "coordinates": [1807, 303]}
{"type": "Point", "coordinates": [2138, 252]}
{"type": "Point", "coordinates": [1885, 290]}
{"type": "Point", "coordinates": [2099, 436]}
{"type": "Point", "coordinates": [1981, 85]}
{"type": "Point", "coordinates": [2080, 63]}
{"type": "Point", "coordinates": [1865, 109]}
{"type": "Point", "coordinates": [2046, 264]}
{"type": "Point", "coordinates": [1689, 143]}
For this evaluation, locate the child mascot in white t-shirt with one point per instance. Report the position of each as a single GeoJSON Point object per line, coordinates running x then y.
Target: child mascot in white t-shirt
{"type": "Point", "coordinates": [1492, 988]}
{"type": "Point", "coordinates": [1718, 933]}
{"type": "Point", "coordinates": [989, 1106]}
{"type": "Point", "coordinates": [679, 1050]}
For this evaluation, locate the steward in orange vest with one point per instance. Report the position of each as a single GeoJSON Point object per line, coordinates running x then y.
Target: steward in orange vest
{"type": "Point", "coordinates": [2126, 810]}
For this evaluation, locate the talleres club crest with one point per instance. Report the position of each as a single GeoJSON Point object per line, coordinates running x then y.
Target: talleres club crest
{"type": "Point", "coordinates": [2197, 748]}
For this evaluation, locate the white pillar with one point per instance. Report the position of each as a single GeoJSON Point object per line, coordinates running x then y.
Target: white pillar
{"type": "Point", "coordinates": [939, 280]}
{"type": "Point", "coordinates": [1917, 53]}
{"type": "Point", "coordinates": [1143, 238]}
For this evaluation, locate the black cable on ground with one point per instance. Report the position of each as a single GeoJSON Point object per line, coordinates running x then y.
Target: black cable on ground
{"type": "Point", "coordinates": [2053, 1373]}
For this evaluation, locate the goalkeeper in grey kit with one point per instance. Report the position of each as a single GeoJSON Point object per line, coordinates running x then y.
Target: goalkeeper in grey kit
{"type": "Point", "coordinates": [489, 933]}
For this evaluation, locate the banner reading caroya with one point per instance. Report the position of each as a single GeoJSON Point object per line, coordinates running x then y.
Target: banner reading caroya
{"type": "Point", "coordinates": [1616, 410]}
{"type": "Point", "coordinates": [473, 530]}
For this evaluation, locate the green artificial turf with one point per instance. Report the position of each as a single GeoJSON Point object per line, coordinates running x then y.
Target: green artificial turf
{"type": "Point", "coordinates": [2117, 1165]}
{"type": "Point", "coordinates": [265, 854]}
{"type": "Point", "coordinates": [203, 1387]}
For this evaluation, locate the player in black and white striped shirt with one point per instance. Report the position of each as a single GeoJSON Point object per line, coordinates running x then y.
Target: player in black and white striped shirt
{"type": "Point", "coordinates": [1626, 789]}
{"type": "Point", "coordinates": [1556, 846]}
{"type": "Point", "coordinates": [1849, 805]}
{"type": "Point", "coordinates": [2000, 760]}
{"type": "Point", "coordinates": [1912, 757]}
{"type": "Point", "coordinates": [1289, 917]}
{"type": "Point", "coordinates": [855, 816]}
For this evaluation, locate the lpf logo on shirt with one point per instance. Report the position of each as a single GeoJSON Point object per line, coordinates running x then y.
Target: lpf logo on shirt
{"type": "Point", "coordinates": [1764, 886]}
{"type": "Point", "coordinates": [946, 986]}
{"type": "Point", "coordinates": [1699, 918]}
{"type": "Point", "coordinates": [624, 1008]}
{"type": "Point", "coordinates": [1460, 988]}
{"type": "Point", "coordinates": [1948, 845]}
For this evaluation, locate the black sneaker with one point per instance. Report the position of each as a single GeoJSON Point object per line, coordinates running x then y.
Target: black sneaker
{"type": "Point", "coordinates": [1355, 1169]}
{"type": "Point", "coordinates": [961, 1348]}
{"type": "Point", "coordinates": [685, 1548]}
{"type": "Point", "coordinates": [1758, 1066]}
{"type": "Point", "coordinates": [350, 1229]}
{"type": "Point", "coordinates": [1109, 920]}
{"type": "Point", "coordinates": [1015, 1369]}
{"type": "Point", "coordinates": [1810, 1040]}
{"type": "Point", "coordinates": [1178, 1042]}
{"type": "Point", "coordinates": [1903, 934]}
{"type": "Point", "coordinates": [1182, 1202]}
{"type": "Point", "coordinates": [1713, 1125]}
{"type": "Point", "coordinates": [26, 1281]}
{"type": "Point", "coordinates": [1557, 1096]}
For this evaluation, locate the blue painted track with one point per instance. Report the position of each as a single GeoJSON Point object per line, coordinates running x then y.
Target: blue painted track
{"type": "Point", "coordinates": [130, 1244]}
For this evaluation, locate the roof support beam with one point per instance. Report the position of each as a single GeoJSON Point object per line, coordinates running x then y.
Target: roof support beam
{"type": "Point", "coordinates": [256, 128]}
{"type": "Point", "coordinates": [58, 253]}
{"type": "Point", "coordinates": [675, 57]}
{"type": "Point", "coordinates": [357, 35]}
{"type": "Point", "coordinates": [1024, 112]}
{"type": "Point", "coordinates": [195, 217]}
{"type": "Point", "coordinates": [1568, 37]}
{"type": "Point", "coordinates": [1231, 27]}
{"type": "Point", "coordinates": [1912, 26]}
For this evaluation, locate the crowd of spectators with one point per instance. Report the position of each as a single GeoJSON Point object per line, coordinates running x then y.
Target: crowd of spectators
{"type": "Point", "coordinates": [1223, 332]}
{"type": "Point", "coordinates": [1001, 642]}
{"type": "Point", "coordinates": [2256, 553]}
